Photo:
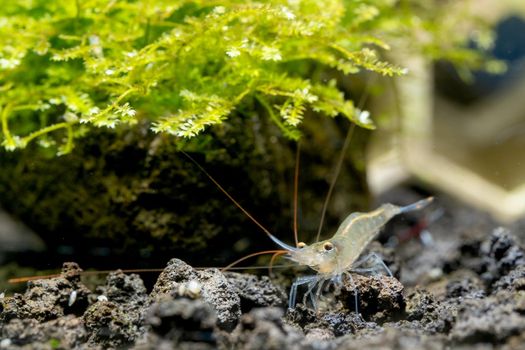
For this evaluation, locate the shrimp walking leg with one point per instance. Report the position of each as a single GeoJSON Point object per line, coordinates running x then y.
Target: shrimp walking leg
{"type": "Point", "coordinates": [373, 262]}
{"type": "Point", "coordinates": [314, 296]}
{"type": "Point", "coordinates": [321, 287]}
{"type": "Point", "coordinates": [299, 282]}
{"type": "Point", "coordinates": [356, 292]}
{"type": "Point", "coordinates": [309, 293]}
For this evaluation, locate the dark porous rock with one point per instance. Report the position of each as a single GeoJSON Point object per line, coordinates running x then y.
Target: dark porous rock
{"type": "Point", "coordinates": [122, 288]}
{"type": "Point", "coordinates": [393, 339]}
{"type": "Point", "coordinates": [326, 324]}
{"type": "Point", "coordinates": [428, 313]}
{"type": "Point", "coordinates": [127, 292]}
{"type": "Point", "coordinates": [67, 332]}
{"type": "Point", "coordinates": [256, 291]}
{"type": "Point", "coordinates": [514, 281]}
{"type": "Point", "coordinates": [301, 316]}
{"type": "Point", "coordinates": [469, 287]}
{"type": "Point", "coordinates": [115, 317]}
{"type": "Point", "coordinates": [419, 303]}
{"type": "Point", "coordinates": [110, 325]}
{"type": "Point", "coordinates": [493, 319]}
{"type": "Point", "coordinates": [178, 278]}
{"type": "Point", "coordinates": [264, 328]}
{"type": "Point", "coordinates": [501, 254]}
{"type": "Point", "coordinates": [379, 298]}
{"type": "Point", "coordinates": [343, 323]}
{"type": "Point", "coordinates": [48, 299]}
{"type": "Point", "coordinates": [183, 322]}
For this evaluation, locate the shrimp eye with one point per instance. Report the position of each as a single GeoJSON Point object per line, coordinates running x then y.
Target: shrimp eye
{"type": "Point", "coordinates": [328, 246]}
{"type": "Point", "coordinates": [301, 245]}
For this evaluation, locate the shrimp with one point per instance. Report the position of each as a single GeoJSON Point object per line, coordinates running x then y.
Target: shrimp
{"type": "Point", "coordinates": [332, 258]}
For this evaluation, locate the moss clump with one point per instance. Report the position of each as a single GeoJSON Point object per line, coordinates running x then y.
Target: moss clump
{"type": "Point", "coordinates": [66, 66]}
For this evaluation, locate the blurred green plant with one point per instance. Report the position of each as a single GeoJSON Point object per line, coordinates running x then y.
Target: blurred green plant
{"type": "Point", "coordinates": [67, 66]}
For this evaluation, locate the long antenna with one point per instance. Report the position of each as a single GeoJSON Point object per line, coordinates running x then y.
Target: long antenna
{"type": "Point", "coordinates": [346, 144]}
{"type": "Point", "coordinates": [274, 251]}
{"type": "Point", "coordinates": [272, 260]}
{"type": "Point", "coordinates": [336, 175]}
{"type": "Point", "coordinates": [227, 194]}
{"type": "Point", "coordinates": [82, 273]}
{"type": "Point", "coordinates": [272, 237]}
{"type": "Point", "coordinates": [101, 272]}
{"type": "Point", "coordinates": [295, 191]}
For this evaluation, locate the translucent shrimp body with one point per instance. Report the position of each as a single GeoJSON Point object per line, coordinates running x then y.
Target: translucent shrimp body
{"type": "Point", "coordinates": [336, 256]}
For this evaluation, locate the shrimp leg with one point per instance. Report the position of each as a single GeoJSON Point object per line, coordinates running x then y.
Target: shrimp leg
{"type": "Point", "coordinates": [356, 292]}
{"type": "Point", "coordinates": [314, 297]}
{"type": "Point", "coordinates": [376, 262]}
{"type": "Point", "coordinates": [320, 289]}
{"type": "Point", "coordinates": [299, 282]}
{"type": "Point", "coordinates": [309, 293]}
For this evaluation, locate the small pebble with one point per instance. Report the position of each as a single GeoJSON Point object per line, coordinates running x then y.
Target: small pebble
{"type": "Point", "coordinates": [102, 298]}
{"type": "Point", "coordinates": [190, 289]}
{"type": "Point", "coordinates": [72, 298]}
{"type": "Point", "coordinates": [5, 343]}
{"type": "Point", "coordinates": [435, 273]}
{"type": "Point", "coordinates": [194, 288]}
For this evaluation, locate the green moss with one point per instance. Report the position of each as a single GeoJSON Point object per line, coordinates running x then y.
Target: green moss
{"type": "Point", "coordinates": [66, 66]}
{"type": "Point", "coordinates": [54, 343]}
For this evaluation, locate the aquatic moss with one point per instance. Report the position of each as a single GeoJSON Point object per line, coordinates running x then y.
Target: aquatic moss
{"type": "Point", "coordinates": [183, 66]}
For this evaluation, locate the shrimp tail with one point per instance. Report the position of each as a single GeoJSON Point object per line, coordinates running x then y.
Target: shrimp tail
{"type": "Point", "coordinates": [416, 206]}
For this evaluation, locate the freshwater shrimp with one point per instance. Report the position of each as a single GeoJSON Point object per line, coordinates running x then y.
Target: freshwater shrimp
{"type": "Point", "coordinates": [338, 256]}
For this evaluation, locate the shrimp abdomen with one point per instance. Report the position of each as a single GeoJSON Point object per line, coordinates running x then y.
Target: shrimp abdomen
{"type": "Point", "coordinates": [359, 229]}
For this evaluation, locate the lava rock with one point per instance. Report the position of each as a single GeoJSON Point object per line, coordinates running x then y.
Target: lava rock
{"type": "Point", "coordinates": [110, 325]}
{"type": "Point", "coordinates": [501, 254]}
{"type": "Point", "coordinates": [256, 291]}
{"type": "Point", "coordinates": [379, 298]}
{"type": "Point", "coordinates": [492, 319]}
{"type": "Point", "coordinates": [393, 339]}
{"type": "Point", "coordinates": [264, 328]}
{"type": "Point", "coordinates": [514, 281]}
{"type": "Point", "coordinates": [48, 299]}
{"type": "Point", "coordinates": [429, 314]}
{"type": "Point", "coordinates": [115, 319]}
{"type": "Point", "coordinates": [469, 287]}
{"type": "Point", "coordinates": [214, 289]}
{"type": "Point", "coordinates": [183, 320]}
{"type": "Point", "coordinates": [322, 325]}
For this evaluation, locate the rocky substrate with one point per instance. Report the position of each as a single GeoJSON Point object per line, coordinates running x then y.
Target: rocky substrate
{"type": "Point", "coordinates": [478, 301]}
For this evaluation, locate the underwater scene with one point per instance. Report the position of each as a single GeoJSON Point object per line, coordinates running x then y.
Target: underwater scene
{"type": "Point", "coordinates": [279, 174]}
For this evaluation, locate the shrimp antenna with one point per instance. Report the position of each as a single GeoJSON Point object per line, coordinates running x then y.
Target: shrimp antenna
{"type": "Point", "coordinates": [82, 273]}
{"type": "Point", "coordinates": [274, 251]}
{"type": "Point", "coordinates": [272, 237]}
{"type": "Point", "coordinates": [87, 273]}
{"type": "Point", "coordinates": [346, 144]}
{"type": "Point", "coordinates": [295, 191]}
{"type": "Point", "coordinates": [272, 260]}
